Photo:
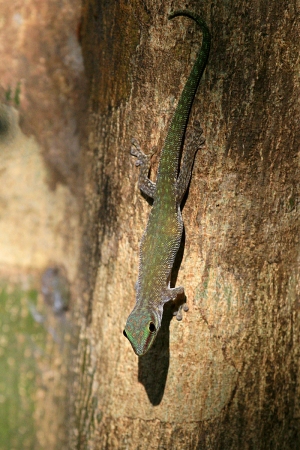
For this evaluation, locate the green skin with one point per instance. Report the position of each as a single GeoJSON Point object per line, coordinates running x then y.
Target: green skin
{"type": "Point", "coordinates": [162, 237]}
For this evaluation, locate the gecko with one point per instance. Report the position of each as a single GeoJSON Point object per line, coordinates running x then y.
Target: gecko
{"type": "Point", "coordinates": [161, 239]}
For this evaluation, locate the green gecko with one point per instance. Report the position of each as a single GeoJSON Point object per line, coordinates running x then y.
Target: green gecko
{"type": "Point", "coordinates": [162, 237]}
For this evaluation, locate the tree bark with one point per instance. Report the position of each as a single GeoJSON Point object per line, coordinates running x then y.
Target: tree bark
{"type": "Point", "coordinates": [227, 376]}
{"type": "Point", "coordinates": [42, 97]}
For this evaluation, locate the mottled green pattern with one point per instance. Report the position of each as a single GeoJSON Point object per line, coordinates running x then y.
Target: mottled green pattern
{"type": "Point", "coordinates": [171, 149]}
{"type": "Point", "coordinates": [162, 236]}
{"type": "Point", "coordinates": [20, 339]}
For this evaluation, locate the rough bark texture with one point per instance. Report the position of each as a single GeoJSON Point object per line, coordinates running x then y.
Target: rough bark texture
{"type": "Point", "coordinates": [227, 376]}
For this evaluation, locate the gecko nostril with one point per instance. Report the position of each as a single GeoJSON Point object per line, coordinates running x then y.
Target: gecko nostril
{"type": "Point", "coordinates": [124, 332]}
{"type": "Point", "coordinates": [152, 327]}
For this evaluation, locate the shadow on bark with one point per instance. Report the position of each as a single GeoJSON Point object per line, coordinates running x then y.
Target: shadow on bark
{"type": "Point", "coordinates": [154, 366]}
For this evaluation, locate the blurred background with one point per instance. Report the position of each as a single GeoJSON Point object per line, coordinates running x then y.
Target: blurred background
{"type": "Point", "coordinates": [42, 101]}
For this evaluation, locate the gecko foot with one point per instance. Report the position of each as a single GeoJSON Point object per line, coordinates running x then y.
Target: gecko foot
{"type": "Point", "coordinates": [180, 305]}
{"type": "Point", "coordinates": [178, 313]}
{"type": "Point", "coordinates": [136, 151]}
{"type": "Point", "coordinates": [195, 139]}
{"type": "Point", "coordinates": [145, 184]}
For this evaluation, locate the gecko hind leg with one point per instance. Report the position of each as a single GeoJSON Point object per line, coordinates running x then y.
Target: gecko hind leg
{"type": "Point", "coordinates": [145, 184]}
{"type": "Point", "coordinates": [194, 142]}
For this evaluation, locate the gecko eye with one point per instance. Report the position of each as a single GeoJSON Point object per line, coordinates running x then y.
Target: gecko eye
{"type": "Point", "coordinates": [124, 332]}
{"type": "Point", "coordinates": [152, 327]}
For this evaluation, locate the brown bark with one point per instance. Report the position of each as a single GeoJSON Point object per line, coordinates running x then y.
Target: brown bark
{"type": "Point", "coordinates": [41, 101]}
{"type": "Point", "coordinates": [227, 376]}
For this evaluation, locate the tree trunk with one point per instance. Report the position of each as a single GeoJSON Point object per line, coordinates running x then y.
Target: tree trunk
{"type": "Point", "coordinates": [227, 376]}
{"type": "Point", "coordinates": [41, 102]}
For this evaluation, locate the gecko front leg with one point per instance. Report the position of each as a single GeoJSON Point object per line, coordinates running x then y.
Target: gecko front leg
{"type": "Point", "coordinates": [145, 184]}
{"type": "Point", "coordinates": [172, 294]}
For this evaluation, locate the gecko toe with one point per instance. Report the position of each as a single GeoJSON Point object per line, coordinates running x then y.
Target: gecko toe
{"type": "Point", "coordinates": [184, 307]}
{"type": "Point", "coordinates": [179, 316]}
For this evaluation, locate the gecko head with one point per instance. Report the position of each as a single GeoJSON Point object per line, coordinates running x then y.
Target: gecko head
{"type": "Point", "coordinates": [141, 329]}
